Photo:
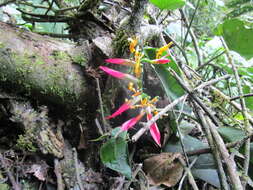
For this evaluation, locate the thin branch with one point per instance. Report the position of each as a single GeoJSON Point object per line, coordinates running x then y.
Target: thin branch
{"type": "Point", "coordinates": [190, 91]}
{"type": "Point", "coordinates": [190, 24]}
{"type": "Point", "coordinates": [101, 105]}
{"type": "Point", "coordinates": [79, 181]}
{"type": "Point", "coordinates": [209, 61]}
{"type": "Point", "coordinates": [244, 111]}
{"type": "Point", "coordinates": [228, 145]}
{"type": "Point", "coordinates": [213, 148]}
{"type": "Point", "coordinates": [189, 173]}
{"type": "Point", "coordinates": [194, 39]}
{"type": "Point", "coordinates": [242, 96]}
{"type": "Point", "coordinates": [14, 184]}
{"type": "Point", "coordinates": [230, 163]}
{"type": "Point", "coordinates": [185, 173]}
{"type": "Point", "coordinates": [55, 35]}
{"type": "Point", "coordinates": [180, 134]}
{"type": "Point", "coordinates": [58, 173]}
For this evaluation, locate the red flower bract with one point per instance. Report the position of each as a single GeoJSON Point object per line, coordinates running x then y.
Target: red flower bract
{"type": "Point", "coordinates": [112, 72]}
{"type": "Point", "coordinates": [154, 131]}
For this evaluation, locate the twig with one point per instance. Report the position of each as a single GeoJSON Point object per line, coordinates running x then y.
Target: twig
{"type": "Point", "coordinates": [55, 35]}
{"type": "Point", "coordinates": [190, 177]}
{"type": "Point", "coordinates": [190, 91]}
{"type": "Point", "coordinates": [14, 184]}
{"type": "Point", "coordinates": [228, 145]}
{"type": "Point", "coordinates": [230, 163]}
{"type": "Point", "coordinates": [209, 61]}
{"type": "Point", "coordinates": [58, 173]}
{"type": "Point", "coordinates": [136, 171]}
{"type": "Point", "coordinates": [156, 117]}
{"type": "Point", "coordinates": [185, 173]}
{"type": "Point", "coordinates": [180, 134]}
{"type": "Point", "coordinates": [194, 39]}
{"type": "Point", "coordinates": [169, 107]}
{"type": "Point", "coordinates": [214, 149]}
{"type": "Point", "coordinates": [113, 3]}
{"type": "Point", "coordinates": [244, 111]}
{"type": "Point", "coordinates": [190, 24]}
{"type": "Point", "coordinates": [101, 105]}
{"type": "Point", "coordinates": [242, 96]}
{"type": "Point", "coordinates": [79, 181]}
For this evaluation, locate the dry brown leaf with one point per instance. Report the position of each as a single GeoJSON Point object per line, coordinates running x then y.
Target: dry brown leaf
{"type": "Point", "coordinates": [164, 168]}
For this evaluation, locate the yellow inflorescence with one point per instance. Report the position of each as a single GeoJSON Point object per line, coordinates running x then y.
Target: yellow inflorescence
{"type": "Point", "coordinates": [163, 49]}
{"type": "Point", "coordinates": [133, 44]}
{"type": "Point", "coordinates": [137, 66]}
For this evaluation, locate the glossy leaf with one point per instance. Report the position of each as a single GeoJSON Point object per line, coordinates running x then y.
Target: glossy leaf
{"type": "Point", "coordinates": [238, 36]}
{"type": "Point", "coordinates": [231, 134]}
{"type": "Point", "coordinates": [208, 175]}
{"type": "Point", "coordinates": [205, 161]}
{"type": "Point", "coordinates": [114, 155]}
{"type": "Point", "coordinates": [168, 4]}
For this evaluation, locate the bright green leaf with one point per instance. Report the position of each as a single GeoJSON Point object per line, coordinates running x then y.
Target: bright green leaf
{"type": "Point", "coordinates": [168, 4]}
{"type": "Point", "coordinates": [248, 100]}
{"type": "Point", "coordinates": [172, 88]}
{"type": "Point", "coordinates": [238, 36]}
{"type": "Point", "coordinates": [114, 155]}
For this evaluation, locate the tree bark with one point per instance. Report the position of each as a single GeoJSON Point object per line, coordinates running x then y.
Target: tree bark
{"type": "Point", "coordinates": [41, 67]}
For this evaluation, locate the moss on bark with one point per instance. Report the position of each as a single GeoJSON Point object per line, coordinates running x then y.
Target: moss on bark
{"type": "Point", "coordinates": [41, 67]}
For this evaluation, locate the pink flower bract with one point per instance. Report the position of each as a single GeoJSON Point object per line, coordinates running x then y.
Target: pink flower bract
{"type": "Point", "coordinates": [154, 131]}
{"type": "Point", "coordinates": [131, 122]}
{"type": "Point", "coordinates": [112, 72]}
{"type": "Point", "coordinates": [120, 61]}
{"type": "Point", "coordinates": [119, 111]}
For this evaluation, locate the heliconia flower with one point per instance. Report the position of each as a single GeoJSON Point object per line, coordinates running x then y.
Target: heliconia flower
{"type": "Point", "coordinates": [127, 105]}
{"type": "Point", "coordinates": [120, 61]}
{"type": "Point", "coordinates": [119, 75]}
{"type": "Point", "coordinates": [163, 49]}
{"type": "Point", "coordinates": [160, 61]}
{"type": "Point", "coordinates": [154, 131]}
{"type": "Point", "coordinates": [131, 122]}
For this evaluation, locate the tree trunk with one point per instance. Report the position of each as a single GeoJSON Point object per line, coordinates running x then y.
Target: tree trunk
{"type": "Point", "coordinates": [41, 67]}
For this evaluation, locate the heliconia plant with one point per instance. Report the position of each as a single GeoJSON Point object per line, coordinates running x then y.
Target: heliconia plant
{"type": "Point", "coordinates": [139, 100]}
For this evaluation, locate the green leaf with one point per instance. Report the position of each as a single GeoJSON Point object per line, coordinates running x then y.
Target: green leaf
{"type": "Point", "coordinates": [114, 155]}
{"type": "Point", "coordinates": [208, 175]}
{"type": "Point", "coordinates": [238, 36]}
{"type": "Point", "coordinates": [168, 4]}
{"type": "Point", "coordinates": [172, 88]}
{"type": "Point", "coordinates": [205, 161]}
{"type": "Point", "coordinates": [231, 134]}
{"type": "Point", "coordinates": [248, 100]}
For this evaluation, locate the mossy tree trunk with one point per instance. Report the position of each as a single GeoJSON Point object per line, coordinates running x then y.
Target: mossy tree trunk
{"type": "Point", "coordinates": [41, 67]}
